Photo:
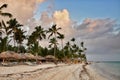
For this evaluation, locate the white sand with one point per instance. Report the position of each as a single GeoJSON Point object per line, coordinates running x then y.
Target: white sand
{"type": "Point", "coordinates": [63, 72]}
{"type": "Point", "coordinates": [23, 68]}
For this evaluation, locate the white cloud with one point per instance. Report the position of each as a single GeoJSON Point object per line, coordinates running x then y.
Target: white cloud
{"type": "Point", "coordinates": [21, 9]}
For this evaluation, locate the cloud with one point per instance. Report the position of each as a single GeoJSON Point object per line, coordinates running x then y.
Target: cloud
{"type": "Point", "coordinates": [101, 37]}
{"type": "Point", "coordinates": [45, 19]}
{"type": "Point", "coordinates": [59, 17]}
{"type": "Point", "coordinates": [21, 9]}
{"type": "Point", "coordinates": [62, 19]}
{"type": "Point", "coordinates": [93, 28]}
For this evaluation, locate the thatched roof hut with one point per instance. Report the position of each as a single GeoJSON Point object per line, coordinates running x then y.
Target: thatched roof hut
{"type": "Point", "coordinates": [15, 55]}
{"type": "Point", "coordinates": [50, 58]}
{"type": "Point", "coordinates": [39, 58]}
{"type": "Point", "coordinates": [5, 55]}
{"type": "Point", "coordinates": [9, 55]}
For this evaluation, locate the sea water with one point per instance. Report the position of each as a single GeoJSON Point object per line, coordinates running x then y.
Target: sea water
{"type": "Point", "coordinates": [108, 69]}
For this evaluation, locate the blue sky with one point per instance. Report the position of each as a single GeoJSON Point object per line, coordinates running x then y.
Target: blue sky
{"type": "Point", "coordinates": [80, 9]}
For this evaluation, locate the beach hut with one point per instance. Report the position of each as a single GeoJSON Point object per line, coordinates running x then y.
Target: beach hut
{"type": "Point", "coordinates": [5, 55]}
{"type": "Point", "coordinates": [50, 58]}
{"type": "Point", "coordinates": [40, 58]}
{"type": "Point", "coordinates": [22, 56]}
{"type": "Point", "coordinates": [29, 56]}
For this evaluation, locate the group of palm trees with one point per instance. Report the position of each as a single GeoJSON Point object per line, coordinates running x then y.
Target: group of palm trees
{"type": "Point", "coordinates": [11, 31]}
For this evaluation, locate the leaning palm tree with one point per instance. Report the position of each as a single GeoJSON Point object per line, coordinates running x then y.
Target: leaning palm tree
{"type": "Point", "coordinates": [4, 13]}
{"type": "Point", "coordinates": [53, 42]}
{"type": "Point", "coordinates": [61, 37]}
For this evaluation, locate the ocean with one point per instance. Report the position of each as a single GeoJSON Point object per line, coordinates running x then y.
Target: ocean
{"type": "Point", "coordinates": [108, 69]}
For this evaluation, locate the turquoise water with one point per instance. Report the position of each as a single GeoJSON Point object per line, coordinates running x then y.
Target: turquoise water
{"type": "Point", "coordinates": [108, 69]}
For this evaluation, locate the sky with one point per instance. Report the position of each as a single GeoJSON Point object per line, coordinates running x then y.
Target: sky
{"type": "Point", "coordinates": [96, 22]}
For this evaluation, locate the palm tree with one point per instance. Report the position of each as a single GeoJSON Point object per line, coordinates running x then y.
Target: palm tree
{"type": "Point", "coordinates": [19, 37]}
{"type": "Point", "coordinates": [68, 49]}
{"type": "Point", "coordinates": [4, 13]}
{"type": "Point", "coordinates": [83, 50]}
{"type": "Point", "coordinates": [31, 39]}
{"type": "Point", "coordinates": [82, 45]}
{"type": "Point", "coordinates": [61, 37]}
{"type": "Point", "coordinates": [14, 25]}
{"type": "Point", "coordinates": [53, 31]}
{"type": "Point", "coordinates": [40, 33]}
{"type": "Point", "coordinates": [53, 42]}
{"type": "Point", "coordinates": [7, 31]}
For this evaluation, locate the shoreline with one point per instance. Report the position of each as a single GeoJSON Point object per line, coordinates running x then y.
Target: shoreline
{"type": "Point", "coordinates": [71, 71]}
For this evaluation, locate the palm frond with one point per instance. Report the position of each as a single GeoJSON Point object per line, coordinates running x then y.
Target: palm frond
{"type": "Point", "coordinates": [6, 14]}
{"type": "Point", "coordinates": [3, 6]}
{"type": "Point", "coordinates": [50, 35]}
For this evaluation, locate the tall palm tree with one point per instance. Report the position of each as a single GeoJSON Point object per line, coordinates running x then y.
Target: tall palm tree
{"type": "Point", "coordinates": [53, 42]}
{"type": "Point", "coordinates": [61, 37]}
{"type": "Point", "coordinates": [39, 34]}
{"type": "Point", "coordinates": [14, 25]}
{"type": "Point", "coordinates": [4, 13]}
{"type": "Point", "coordinates": [53, 31]}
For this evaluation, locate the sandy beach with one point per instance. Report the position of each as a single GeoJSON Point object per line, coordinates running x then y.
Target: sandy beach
{"type": "Point", "coordinates": [49, 72]}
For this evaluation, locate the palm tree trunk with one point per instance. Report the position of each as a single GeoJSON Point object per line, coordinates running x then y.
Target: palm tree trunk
{"type": "Point", "coordinates": [55, 47]}
{"type": "Point", "coordinates": [54, 50]}
{"type": "Point", "coordinates": [36, 54]}
{"type": "Point", "coordinates": [14, 42]}
{"type": "Point", "coordinates": [62, 47]}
